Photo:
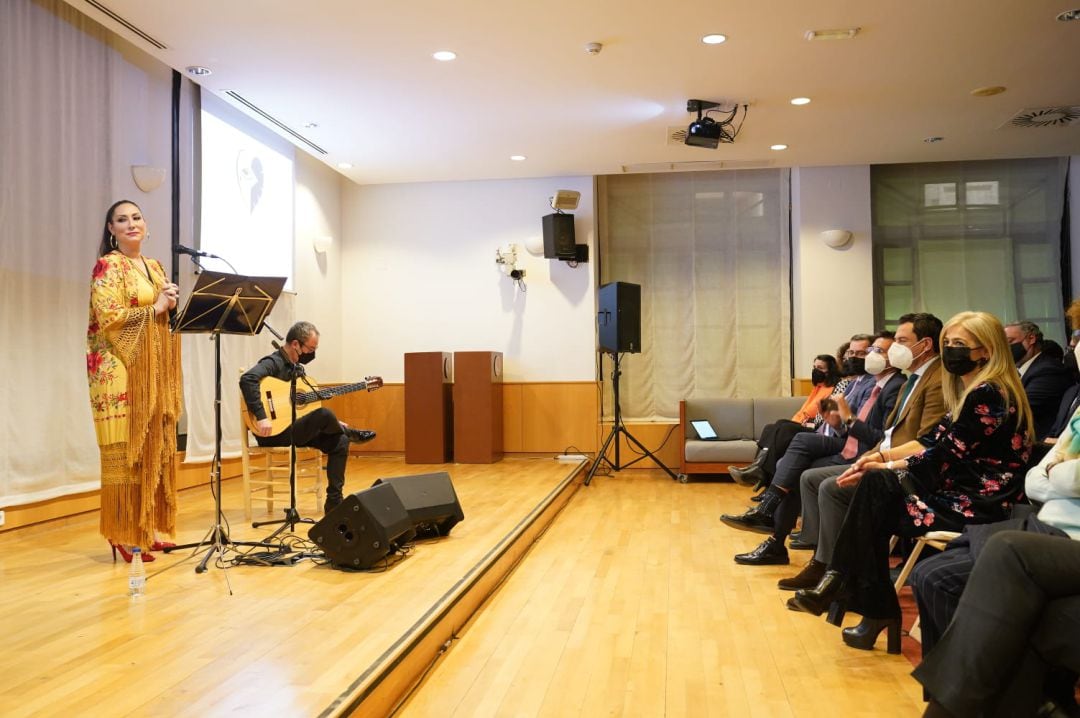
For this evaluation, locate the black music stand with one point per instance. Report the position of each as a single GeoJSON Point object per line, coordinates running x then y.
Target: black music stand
{"type": "Point", "coordinates": [219, 304]}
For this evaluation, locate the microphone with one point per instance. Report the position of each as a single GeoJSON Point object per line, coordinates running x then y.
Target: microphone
{"type": "Point", "coordinates": [181, 249]}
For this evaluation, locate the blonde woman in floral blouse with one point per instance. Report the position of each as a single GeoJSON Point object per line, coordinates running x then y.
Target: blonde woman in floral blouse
{"type": "Point", "coordinates": [133, 367]}
{"type": "Point", "coordinates": [967, 470]}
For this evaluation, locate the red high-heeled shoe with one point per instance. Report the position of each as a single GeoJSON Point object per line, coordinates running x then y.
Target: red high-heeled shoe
{"type": "Point", "coordinates": [161, 545]}
{"type": "Point", "coordinates": [127, 556]}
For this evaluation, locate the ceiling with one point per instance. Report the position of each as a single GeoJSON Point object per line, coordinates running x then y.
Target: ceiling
{"type": "Point", "coordinates": [523, 83]}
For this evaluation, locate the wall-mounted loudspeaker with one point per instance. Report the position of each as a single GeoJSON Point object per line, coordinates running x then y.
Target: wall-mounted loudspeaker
{"type": "Point", "coordinates": [430, 500]}
{"type": "Point", "coordinates": [364, 528]}
{"type": "Point", "coordinates": [619, 317]}
{"type": "Point", "coordinates": [559, 242]}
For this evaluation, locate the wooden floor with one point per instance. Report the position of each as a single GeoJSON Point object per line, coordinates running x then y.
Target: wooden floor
{"type": "Point", "coordinates": [631, 605]}
{"type": "Point", "coordinates": [287, 641]}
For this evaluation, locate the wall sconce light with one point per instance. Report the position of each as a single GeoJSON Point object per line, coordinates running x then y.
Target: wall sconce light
{"type": "Point", "coordinates": [836, 238]}
{"type": "Point", "coordinates": [322, 243]}
{"type": "Point", "coordinates": [535, 245]}
{"type": "Point", "coordinates": [147, 178]}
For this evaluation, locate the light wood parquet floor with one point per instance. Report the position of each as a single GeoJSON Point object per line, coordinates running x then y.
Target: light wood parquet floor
{"type": "Point", "coordinates": [631, 605]}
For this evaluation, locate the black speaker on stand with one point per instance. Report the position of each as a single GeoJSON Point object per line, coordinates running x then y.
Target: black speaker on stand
{"type": "Point", "coordinates": [364, 528]}
{"type": "Point", "coordinates": [619, 330]}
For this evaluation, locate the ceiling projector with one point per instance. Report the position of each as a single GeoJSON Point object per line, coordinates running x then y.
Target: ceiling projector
{"type": "Point", "coordinates": [708, 132]}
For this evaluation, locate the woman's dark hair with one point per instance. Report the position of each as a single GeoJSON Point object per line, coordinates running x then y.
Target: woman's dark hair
{"type": "Point", "coordinates": [841, 351]}
{"type": "Point", "coordinates": [832, 368]}
{"type": "Point", "coordinates": [106, 235]}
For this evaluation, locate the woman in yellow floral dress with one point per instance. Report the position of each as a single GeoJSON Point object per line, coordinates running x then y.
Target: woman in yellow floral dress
{"type": "Point", "coordinates": [133, 366]}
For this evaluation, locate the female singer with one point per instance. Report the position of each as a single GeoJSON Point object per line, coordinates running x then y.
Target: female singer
{"type": "Point", "coordinates": [133, 366]}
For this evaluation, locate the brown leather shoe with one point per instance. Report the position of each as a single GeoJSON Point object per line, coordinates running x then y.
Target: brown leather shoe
{"type": "Point", "coordinates": [807, 578]}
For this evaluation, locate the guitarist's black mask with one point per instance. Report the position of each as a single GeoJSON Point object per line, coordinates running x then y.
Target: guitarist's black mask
{"type": "Point", "coordinates": [305, 358]}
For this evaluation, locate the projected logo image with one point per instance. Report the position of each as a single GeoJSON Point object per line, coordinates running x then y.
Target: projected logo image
{"type": "Point", "coordinates": [249, 178]}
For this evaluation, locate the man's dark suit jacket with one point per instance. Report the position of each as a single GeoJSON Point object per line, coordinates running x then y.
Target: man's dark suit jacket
{"type": "Point", "coordinates": [871, 431]}
{"type": "Point", "coordinates": [1044, 383]}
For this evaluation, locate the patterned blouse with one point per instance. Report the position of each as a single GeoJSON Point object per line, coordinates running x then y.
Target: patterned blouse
{"type": "Point", "coordinates": [972, 470]}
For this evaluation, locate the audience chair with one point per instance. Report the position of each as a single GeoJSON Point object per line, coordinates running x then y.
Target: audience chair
{"type": "Point", "coordinates": [934, 539]}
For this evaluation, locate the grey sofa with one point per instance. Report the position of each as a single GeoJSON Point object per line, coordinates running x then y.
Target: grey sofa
{"type": "Point", "coordinates": [738, 422]}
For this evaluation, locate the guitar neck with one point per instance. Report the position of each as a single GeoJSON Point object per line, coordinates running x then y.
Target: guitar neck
{"type": "Point", "coordinates": [325, 393]}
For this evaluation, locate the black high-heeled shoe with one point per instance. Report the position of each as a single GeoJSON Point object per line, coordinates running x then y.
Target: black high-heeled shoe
{"type": "Point", "coordinates": [865, 635]}
{"type": "Point", "coordinates": [829, 595]}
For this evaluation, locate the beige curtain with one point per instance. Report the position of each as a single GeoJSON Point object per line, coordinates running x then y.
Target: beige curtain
{"type": "Point", "coordinates": [711, 252]}
{"type": "Point", "coordinates": [54, 189]}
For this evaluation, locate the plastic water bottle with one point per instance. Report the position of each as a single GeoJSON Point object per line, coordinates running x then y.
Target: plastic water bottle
{"type": "Point", "coordinates": [137, 574]}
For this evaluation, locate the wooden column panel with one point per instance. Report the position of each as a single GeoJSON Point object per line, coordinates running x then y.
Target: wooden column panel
{"type": "Point", "coordinates": [429, 418]}
{"type": "Point", "coordinates": [478, 407]}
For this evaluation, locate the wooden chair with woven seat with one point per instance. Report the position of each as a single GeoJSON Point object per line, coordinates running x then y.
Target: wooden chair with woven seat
{"type": "Point", "coordinates": [266, 471]}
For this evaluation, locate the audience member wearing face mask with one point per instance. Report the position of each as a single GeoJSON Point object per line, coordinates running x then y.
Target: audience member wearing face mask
{"type": "Point", "coordinates": [966, 470]}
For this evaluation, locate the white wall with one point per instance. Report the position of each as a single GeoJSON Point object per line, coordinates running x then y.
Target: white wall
{"type": "Point", "coordinates": [419, 274]}
{"type": "Point", "coordinates": [832, 289]}
{"type": "Point", "coordinates": [318, 276]}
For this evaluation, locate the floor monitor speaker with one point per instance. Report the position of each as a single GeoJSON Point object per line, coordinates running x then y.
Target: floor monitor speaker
{"type": "Point", "coordinates": [430, 500]}
{"type": "Point", "coordinates": [363, 529]}
{"type": "Point", "coordinates": [619, 317]}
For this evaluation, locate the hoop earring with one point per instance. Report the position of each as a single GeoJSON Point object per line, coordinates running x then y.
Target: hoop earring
{"type": "Point", "coordinates": [112, 241]}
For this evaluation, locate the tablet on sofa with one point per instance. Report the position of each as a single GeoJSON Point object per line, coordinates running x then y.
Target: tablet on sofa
{"type": "Point", "coordinates": [704, 429]}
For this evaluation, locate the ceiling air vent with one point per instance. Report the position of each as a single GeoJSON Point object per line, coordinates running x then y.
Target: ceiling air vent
{"type": "Point", "coordinates": [240, 99]}
{"type": "Point", "coordinates": [676, 135]}
{"type": "Point", "coordinates": [116, 18]}
{"type": "Point", "coordinates": [1046, 117]}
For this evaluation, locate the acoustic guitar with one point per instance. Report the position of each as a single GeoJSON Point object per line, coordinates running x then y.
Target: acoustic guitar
{"type": "Point", "coordinates": [274, 397]}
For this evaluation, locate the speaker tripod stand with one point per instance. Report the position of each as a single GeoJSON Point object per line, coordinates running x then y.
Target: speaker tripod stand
{"type": "Point", "coordinates": [617, 428]}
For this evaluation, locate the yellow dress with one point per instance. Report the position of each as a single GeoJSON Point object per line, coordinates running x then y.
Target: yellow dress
{"type": "Point", "coordinates": [136, 394]}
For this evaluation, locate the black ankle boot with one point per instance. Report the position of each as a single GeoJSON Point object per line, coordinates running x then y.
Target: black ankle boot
{"type": "Point", "coordinates": [759, 518]}
{"type": "Point", "coordinates": [809, 577]}
{"type": "Point", "coordinates": [770, 553]}
{"type": "Point", "coordinates": [751, 473]}
{"type": "Point", "coordinates": [829, 591]}
{"type": "Point", "coordinates": [864, 635]}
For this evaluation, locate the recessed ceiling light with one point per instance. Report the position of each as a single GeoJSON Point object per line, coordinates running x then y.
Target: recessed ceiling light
{"type": "Point", "coordinates": [932, 140]}
{"type": "Point", "coordinates": [988, 91]}
{"type": "Point", "coordinates": [198, 71]}
{"type": "Point", "coordinates": [1069, 15]}
{"type": "Point", "coordinates": [837, 34]}
{"type": "Point", "coordinates": [445, 56]}
{"type": "Point", "coordinates": [344, 165]}
{"type": "Point", "coordinates": [778, 147]}
{"type": "Point", "coordinates": [517, 158]}
{"type": "Point", "coordinates": [714, 39]}
{"type": "Point", "coordinates": [800, 100]}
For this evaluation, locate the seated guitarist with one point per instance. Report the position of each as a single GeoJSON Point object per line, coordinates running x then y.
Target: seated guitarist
{"type": "Point", "coordinates": [320, 428]}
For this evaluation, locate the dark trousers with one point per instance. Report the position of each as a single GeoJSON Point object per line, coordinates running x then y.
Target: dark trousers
{"type": "Point", "coordinates": [806, 451]}
{"type": "Point", "coordinates": [321, 430]}
{"type": "Point", "coordinates": [939, 581]}
{"type": "Point", "coordinates": [1018, 616]}
{"type": "Point", "coordinates": [776, 437]}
